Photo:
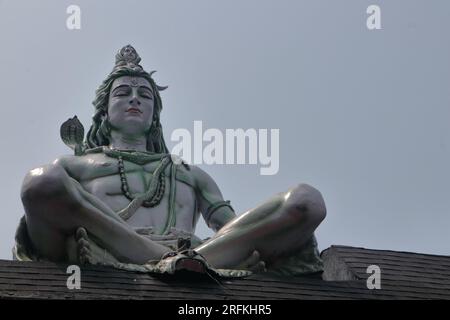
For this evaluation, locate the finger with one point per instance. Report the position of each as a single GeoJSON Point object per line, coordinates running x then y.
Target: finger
{"type": "Point", "coordinates": [84, 251]}
{"type": "Point", "coordinates": [81, 233]}
{"type": "Point", "coordinates": [259, 267]}
{"type": "Point", "coordinates": [86, 259]}
{"type": "Point", "coordinates": [82, 243]}
{"type": "Point", "coordinates": [252, 260]}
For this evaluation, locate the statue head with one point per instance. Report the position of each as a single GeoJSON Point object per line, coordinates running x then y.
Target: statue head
{"type": "Point", "coordinates": [127, 86]}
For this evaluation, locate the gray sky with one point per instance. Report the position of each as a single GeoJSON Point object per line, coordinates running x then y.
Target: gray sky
{"type": "Point", "coordinates": [364, 116]}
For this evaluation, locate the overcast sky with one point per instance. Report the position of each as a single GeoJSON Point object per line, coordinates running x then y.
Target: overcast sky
{"type": "Point", "coordinates": [363, 115]}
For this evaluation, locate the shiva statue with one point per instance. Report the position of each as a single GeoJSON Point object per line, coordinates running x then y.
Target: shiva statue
{"type": "Point", "coordinates": [123, 200]}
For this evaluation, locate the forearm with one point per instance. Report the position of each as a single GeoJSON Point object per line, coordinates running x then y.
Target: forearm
{"type": "Point", "coordinates": [95, 201]}
{"type": "Point", "coordinates": [118, 226]}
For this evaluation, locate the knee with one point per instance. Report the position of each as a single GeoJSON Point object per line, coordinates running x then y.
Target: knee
{"type": "Point", "coordinates": [306, 203]}
{"type": "Point", "coordinates": [43, 184]}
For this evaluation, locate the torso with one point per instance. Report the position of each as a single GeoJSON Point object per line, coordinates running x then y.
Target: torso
{"type": "Point", "coordinates": [99, 175]}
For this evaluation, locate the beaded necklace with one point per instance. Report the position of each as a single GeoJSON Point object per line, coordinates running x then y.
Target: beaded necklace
{"type": "Point", "coordinates": [157, 185]}
{"type": "Point", "coordinates": [155, 198]}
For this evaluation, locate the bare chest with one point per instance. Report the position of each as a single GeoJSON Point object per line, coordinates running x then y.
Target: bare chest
{"type": "Point", "coordinates": [102, 179]}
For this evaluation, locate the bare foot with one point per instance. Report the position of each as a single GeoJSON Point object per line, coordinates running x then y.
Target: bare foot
{"type": "Point", "coordinates": [89, 252]}
{"type": "Point", "coordinates": [253, 263]}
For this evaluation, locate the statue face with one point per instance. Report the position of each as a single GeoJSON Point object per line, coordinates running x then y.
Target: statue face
{"type": "Point", "coordinates": [130, 105]}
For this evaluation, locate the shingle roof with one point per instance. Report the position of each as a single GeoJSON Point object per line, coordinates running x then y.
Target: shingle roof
{"type": "Point", "coordinates": [403, 276]}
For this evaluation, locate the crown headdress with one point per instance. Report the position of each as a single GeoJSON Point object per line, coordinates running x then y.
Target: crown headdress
{"type": "Point", "coordinates": [128, 57]}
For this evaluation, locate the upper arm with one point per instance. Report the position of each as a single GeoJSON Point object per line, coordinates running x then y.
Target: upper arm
{"type": "Point", "coordinates": [208, 194]}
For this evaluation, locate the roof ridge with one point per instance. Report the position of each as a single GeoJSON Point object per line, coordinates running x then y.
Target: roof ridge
{"type": "Point", "coordinates": [384, 250]}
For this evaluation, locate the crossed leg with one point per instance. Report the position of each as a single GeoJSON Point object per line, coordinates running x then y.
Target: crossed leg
{"type": "Point", "coordinates": [56, 206]}
{"type": "Point", "coordinates": [274, 229]}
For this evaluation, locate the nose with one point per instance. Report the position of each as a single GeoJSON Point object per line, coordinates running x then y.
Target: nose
{"type": "Point", "coordinates": [135, 102]}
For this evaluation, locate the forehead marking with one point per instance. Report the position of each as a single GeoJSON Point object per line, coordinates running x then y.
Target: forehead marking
{"type": "Point", "coordinates": [134, 82]}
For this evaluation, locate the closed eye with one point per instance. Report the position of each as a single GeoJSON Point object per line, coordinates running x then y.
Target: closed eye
{"type": "Point", "coordinates": [121, 91]}
{"type": "Point", "coordinates": [146, 94]}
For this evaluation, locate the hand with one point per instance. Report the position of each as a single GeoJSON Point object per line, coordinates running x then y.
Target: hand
{"type": "Point", "coordinates": [253, 263]}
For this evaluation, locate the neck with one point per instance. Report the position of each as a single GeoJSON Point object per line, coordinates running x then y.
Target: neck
{"type": "Point", "coordinates": [122, 141]}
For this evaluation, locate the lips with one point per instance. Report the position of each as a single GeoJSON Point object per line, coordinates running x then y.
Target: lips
{"type": "Point", "coordinates": [134, 110]}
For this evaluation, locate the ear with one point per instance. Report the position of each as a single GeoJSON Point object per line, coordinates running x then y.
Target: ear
{"type": "Point", "coordinates": [104, 113]}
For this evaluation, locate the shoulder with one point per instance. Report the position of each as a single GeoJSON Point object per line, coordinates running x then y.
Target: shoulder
{"type": "Point", "coordinates": [202, 178]}
{"type": "Point", "coordinates": [190, 174]}
{"type": "Point", "coordinates": [199, 174]}
{"type": "Point", "coordinates": [68, 161]}
{"type": "Point", "coordinates": [77, 166]}
{"type": "Point", "coordinates": [65, 161]}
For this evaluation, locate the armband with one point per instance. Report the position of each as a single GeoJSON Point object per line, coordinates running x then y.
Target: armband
{"type": "Point", "coordinates": [212, 208]}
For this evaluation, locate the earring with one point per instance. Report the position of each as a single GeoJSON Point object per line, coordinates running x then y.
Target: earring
{"type": "Point", "coordinates": [155, 130]}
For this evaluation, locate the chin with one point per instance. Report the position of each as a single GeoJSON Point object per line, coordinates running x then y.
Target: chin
{"type": "Point", "coordinates": [134, 128]}
{"type": "Point", "coordinates": [134, 120]}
